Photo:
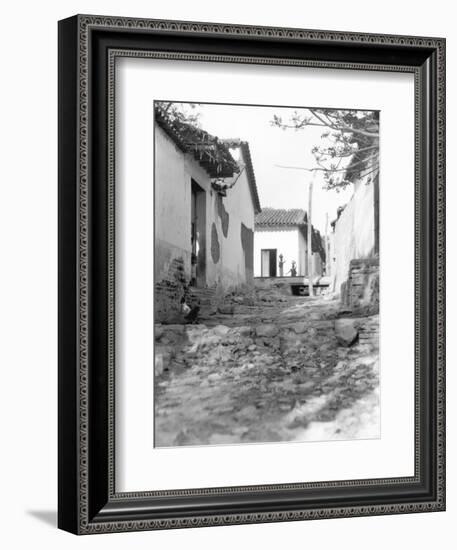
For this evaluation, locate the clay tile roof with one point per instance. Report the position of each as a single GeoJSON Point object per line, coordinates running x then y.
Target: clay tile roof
{"type": "Point", "coordinates": [208, 150]}
{"type": "Point", "coordinates": [251, 176]}
{"type": "Point", "coordinates": [274, 217]}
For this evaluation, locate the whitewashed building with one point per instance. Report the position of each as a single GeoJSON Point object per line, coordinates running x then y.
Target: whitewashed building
{"type": "Point", "coordinates": [356, 230]}
{"type": "Point", "coordinates": [280, 239]}
{"type": "Point", "coordinates": [205, 203]}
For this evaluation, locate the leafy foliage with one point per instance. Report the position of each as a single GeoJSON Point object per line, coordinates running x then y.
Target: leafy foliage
{"type": "Point", "coordinates": [349, 147]}
{"type": "Point", "coordinates": [182, 120]}
{"type": "Point", "coordinates": [179, 113]}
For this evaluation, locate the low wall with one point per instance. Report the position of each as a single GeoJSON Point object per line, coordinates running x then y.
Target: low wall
{"type": "Point", "coordinates": [169, 290]}
{"type": "Point", "coordinates": [360, 293]}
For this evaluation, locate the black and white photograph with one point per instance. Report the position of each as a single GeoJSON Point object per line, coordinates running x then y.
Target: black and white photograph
{"type": "Point", "coordinates": [225, 277]}
{"type": "Point", "coordinates": [266, 274]}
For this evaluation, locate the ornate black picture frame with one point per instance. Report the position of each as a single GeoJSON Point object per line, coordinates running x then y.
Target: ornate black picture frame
{"type": "Point", "coordinates": [88, 501]}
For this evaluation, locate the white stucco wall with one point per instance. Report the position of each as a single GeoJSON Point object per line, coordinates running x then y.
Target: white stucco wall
{"type": "Point", "coordinates": [354, 235]}
{"type": "Point", "coordinates": [291, 243]}
{"type": "Point", "coordinates": [302, 264]}
{"type": "Point", "coordinates": [230, 270]}
{"type": "Point", "coordinates": [286, 241]}
{"type": "Point", "coordinates": [174, 172]}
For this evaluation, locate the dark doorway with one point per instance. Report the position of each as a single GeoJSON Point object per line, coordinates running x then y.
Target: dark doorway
{"type": "Point", "coordinates": [269, 262]}
{"type": "Point", "coordinates": [198, 235]}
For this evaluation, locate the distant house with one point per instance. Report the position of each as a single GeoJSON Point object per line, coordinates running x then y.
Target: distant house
{"type": "Point", "coordinates": [280, 238]}
{"type": "Point", "coordinates": [205, 203]}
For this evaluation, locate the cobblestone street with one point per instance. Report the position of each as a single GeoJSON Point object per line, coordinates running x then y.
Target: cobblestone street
{"type": "Point", "coordinates": [264, 372]}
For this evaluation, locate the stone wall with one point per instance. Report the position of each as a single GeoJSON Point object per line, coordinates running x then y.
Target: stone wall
{"type": "Point", "coordinates": [168, 293]}
{"type": "Point", "coordinates": [360, 293]}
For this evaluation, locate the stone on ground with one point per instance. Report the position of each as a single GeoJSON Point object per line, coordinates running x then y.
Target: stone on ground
{"type": "Point", "coordinates": [226, 309]}
{"type": "Point", "coordinates": [300, 327]}
{"type": "Point", "coordinates": [158, 364]}
{"type": "Point", "coordinates": [221, 330]}
{"type": "Point", "coordinates": [346, 332]}
{"type": "Point", "coordinates": [267, 331]}
{"type": "Point", "coordinates": [256, 377]}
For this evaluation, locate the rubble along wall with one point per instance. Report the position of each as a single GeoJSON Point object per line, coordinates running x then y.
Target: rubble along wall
{"type": "Point", "coordinates": [168, 292]}
{"type": "Point", "coordinates": [361, 290]}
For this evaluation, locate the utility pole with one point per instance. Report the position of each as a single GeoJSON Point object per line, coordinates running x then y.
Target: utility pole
{"type": "Point", "coordinates": [327, 248]}
{"type": "Point", "coordinates": [310, 235]}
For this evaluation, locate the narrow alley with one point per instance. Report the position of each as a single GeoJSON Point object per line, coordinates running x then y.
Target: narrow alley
{"type": "Point", "coordinates": [272, 367]}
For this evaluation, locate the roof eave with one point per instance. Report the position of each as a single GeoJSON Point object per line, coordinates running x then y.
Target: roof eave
{"type": "Point", "coordinates": [213, 169]}
{"type": "Point", "coordinates": [251, 176]}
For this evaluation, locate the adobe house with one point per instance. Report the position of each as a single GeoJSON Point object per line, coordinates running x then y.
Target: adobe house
{"type": "Point", "coordinates": [205, 203]}
{"type": "Point", "coordinates": [280, 238]}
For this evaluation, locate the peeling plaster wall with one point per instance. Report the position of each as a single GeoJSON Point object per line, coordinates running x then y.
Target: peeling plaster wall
{"type": "Point", "coordinates": [247, 242]}
{"type": "Point", "coordinates": [224, 216]}
{"type": "Point", "coordinates": [223, 247]}
{"type": "Point", "coordinates": [229, 214]}
{"type": "Point", "coordinates": [215, 246]}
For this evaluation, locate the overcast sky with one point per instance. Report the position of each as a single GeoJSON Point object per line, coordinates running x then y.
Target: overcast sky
{"type": "Point", "coordinates": [270, 146]}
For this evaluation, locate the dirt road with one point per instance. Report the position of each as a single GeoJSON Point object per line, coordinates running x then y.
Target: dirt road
{"type": "Point", "coordinates": [272, 371]}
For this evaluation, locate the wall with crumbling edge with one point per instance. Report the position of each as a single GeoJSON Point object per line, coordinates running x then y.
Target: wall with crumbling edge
{"type": "Point", "coordinates": [360, 293]}
{"type": "Point", "coordinates": [225, 254]}
{"type": "Point", "coordinates": [229, 215]}
{"type": "Point", "coordinates": [354, 234]}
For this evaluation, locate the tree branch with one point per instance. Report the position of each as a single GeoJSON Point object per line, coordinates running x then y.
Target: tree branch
{"type": "Point", "coordinates": [344, 128]}
{"type": "Point", "coordinates": [320, 119]}
{"type": "Point", "coordinates": [341, 155]}
{"type": "Point", "coordinates": [323, 169]}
